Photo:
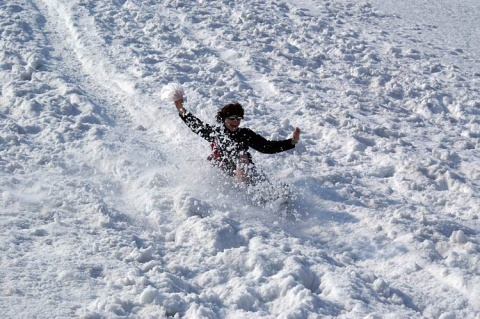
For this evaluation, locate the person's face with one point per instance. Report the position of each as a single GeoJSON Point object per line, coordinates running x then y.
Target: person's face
{"type": "Point", "coordinates": [233, 122]}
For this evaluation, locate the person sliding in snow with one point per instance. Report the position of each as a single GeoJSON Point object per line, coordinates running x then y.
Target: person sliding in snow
{"type": "Point", "coordinates": [230, 142]}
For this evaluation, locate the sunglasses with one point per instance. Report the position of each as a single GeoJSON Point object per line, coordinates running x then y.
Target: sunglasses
{"type": "Point", "coordinates": [234, 117]}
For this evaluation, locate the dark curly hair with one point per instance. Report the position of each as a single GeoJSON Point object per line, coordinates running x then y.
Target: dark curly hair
{"type": "Point", "coordinates": [228, 110]}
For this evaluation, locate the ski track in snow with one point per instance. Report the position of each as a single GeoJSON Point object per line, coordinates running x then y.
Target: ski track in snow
{"type": "Point", "coordinates": [109, 209]}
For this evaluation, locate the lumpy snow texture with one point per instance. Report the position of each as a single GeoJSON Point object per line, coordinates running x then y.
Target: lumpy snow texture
{"type": "Point", "coordinates": [109, 208]}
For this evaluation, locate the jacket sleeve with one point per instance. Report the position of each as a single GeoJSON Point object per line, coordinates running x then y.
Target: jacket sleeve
{"type": "Point", "coordinates": [198, 127]}
{"type": "Point", "coordinates": [263, 145]}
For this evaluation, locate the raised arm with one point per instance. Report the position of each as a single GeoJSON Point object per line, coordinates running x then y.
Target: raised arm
{"type": "Point", "coordinates": [195, 124]}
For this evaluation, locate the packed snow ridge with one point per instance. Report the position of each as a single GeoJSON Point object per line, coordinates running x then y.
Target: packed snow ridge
{"type": "Point", "coordinates": [109, 208]}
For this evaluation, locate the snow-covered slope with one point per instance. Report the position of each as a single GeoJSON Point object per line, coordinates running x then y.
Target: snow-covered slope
{"type": "Point", "coordinates": [109, 208]}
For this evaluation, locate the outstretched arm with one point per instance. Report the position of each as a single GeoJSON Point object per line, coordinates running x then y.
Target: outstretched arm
{"type": "Point", "coordinates": [263, 145]}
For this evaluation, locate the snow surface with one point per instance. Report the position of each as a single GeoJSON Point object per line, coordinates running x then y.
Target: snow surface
{"type": "Point", "coordinates": [109, 208]}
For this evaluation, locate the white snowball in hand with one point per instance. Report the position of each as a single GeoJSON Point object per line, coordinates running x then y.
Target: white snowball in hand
{"type": "Point", "coordinates": [172, 92]}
